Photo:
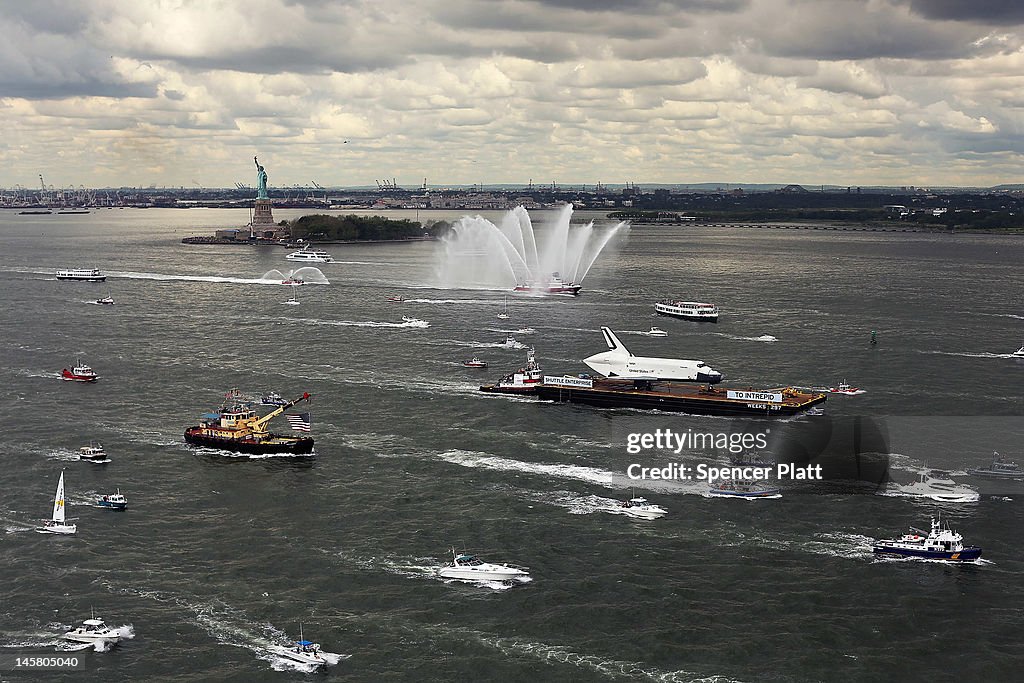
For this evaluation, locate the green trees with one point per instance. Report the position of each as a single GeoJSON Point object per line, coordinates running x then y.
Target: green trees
{"type": "Point", "coordinates": [351, 228]}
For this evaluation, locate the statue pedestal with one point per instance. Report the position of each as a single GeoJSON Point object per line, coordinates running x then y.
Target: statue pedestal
{"type": "Point", "coordinates": [263, 214]}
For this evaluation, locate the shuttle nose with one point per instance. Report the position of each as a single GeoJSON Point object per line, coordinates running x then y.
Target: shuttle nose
{"type": "Point", "coordinates": [709, 376]}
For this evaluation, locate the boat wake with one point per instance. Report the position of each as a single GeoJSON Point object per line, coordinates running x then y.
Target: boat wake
{"type": "Point", "coordinates": [449, 301]}
{"type": "Point", "coordinates": [964, 354]}
{"type": "Point", "coordinates": [131, 275]}
{"type": "Point", "coordinates": [417, 324]}
{"type": "Point", "coordinates": [835, 544]}
{"type": "Point", "coordinates": [220, 453]}
{"type": "Point", "coordinates": [766, 338]}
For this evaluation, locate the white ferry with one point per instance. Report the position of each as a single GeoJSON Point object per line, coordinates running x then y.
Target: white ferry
{"type": "Point", "coordinates": [688, 310]}
{"type": "Point", "coordinates": [81, 275]}
{"type": "Point", "coordinates": [310, 256]}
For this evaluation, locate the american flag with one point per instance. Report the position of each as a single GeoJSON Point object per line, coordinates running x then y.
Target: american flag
{"type": "Point", "coordinates": [300, 422]}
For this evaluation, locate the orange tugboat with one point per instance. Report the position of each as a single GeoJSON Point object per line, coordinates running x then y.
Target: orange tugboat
{"type": "Point", "coordinates": [236, 427]}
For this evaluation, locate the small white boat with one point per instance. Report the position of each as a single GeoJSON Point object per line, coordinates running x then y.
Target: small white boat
{"type": "Point", "coordinates": [1019, 353]}
{"type": "Point", "coordinates": [303, 651]}
{"type": "Point", "coordinates": [57, 523]}
{"type": "Point", "coordinates": [409, 320]}
{"type": "Point", "coordinates": [475, 363]}
{"type": "Point", "coordinates": [92, 452]}
{"type": "Point", "coordinates": [107, 300]}
{"type": "Point", "coordinates": [941, 489]}
{"type": "Point", "coordinates": [310, 256]}
{"type": "Point", "coordinates": [291, 302]}
{"type": "Point", "coordinates": [93, 631]}
{"type": "Point", "coordinates": [845, 388]}
{"type": "Point", "coordinates": [510, 342]}
{"type": "Point", "coordinates": [636, 507]}
{"type": "Point", "coordinates": [504, 310]}
{"type": "Point", "coordinates": [656, 332]}
{"type": "Point", "coordinates": [471, 568]}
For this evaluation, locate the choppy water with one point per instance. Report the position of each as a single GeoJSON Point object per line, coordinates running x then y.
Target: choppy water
{"type": "Point", "coordinates": [218, 559]}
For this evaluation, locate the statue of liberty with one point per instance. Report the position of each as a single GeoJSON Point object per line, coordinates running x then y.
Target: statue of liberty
{"type": "Point", "coordinates": [261, 181]}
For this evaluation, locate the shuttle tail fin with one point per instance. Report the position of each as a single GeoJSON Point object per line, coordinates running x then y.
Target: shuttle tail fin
{"type": "Point", "coordinates": [614, 345]}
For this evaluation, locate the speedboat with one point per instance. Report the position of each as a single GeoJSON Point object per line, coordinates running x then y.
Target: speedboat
{"type": "Point", "coordinates": [688, 310]}
{"type": "Point", "coordinates": [112, 501]}
{"type": "Point", "coordinates": [743, 488]}
{"type": "Point", "coordinates": [475, 363]}
{"type": "Point", "coordinates": [81, 275]}
{"type": "Point", "coordinates": [941, 489]}
{"type": "Point", "coordinates": [472, 568]}
{"type": "Point", "coordinates": [92, 452]}
{"type": "Point", "coordinates": [293, 281]}
{"type": "Point", "coordinates": [79, 373]}
{"type": "Point", "coordinates": [510, 342]}
{"type": "Point", "coordinates": [1019, 353]}
{"type": "Point", "coordinates": [409, 320]}
{"type": "Point", "coordinates": [93, 631]}
{"type": "Point", "coordinates": [636, 507]}
{"type": "Point", "coordinates": [999, 469]}
{"type": "Point", "coordinates": [273, 399]}
{"type": "Point", "coordinates": [555, 285]}
{"type": "Point", "coordinates": [656, 332]}
{"type": "Point", "coordinates": [845, 388]}
{"type": "Point", "coordinates": [310, 256]}
{"type": "Point", "coordinates": [395, 299]}
{"type": "Point", "coordinates": [940, 543]}
{"type": "Point", "coordinates": [107, 300]}
{"type": "Point", "coordinates": [57, 523]}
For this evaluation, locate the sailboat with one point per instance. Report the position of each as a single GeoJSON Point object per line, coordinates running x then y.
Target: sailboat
{"type": "Point", "coordinates": [57, 525]}
{"type": "Point", "coordinates": [504, 310]}
{"type": "Point", "coordinates": [293, 301]}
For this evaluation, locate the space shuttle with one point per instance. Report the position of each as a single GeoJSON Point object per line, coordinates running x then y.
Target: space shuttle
{"type": "Point", "coordinates": [618, 363]}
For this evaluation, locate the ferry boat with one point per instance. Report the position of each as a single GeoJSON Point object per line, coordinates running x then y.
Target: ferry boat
{"type": "Point", "coordinates": [555, 285]}
{"type": "Point", "coordinates": [112, 501]}
{"type": "Point", "coordinates": [999, 469]}
{"type": "Point", "coordinates": [636, 507]}
{"type": "Point", "coordinates": [743, 488]}
{"type": "Point", "coordinates": [475, 363]}
{"type": "Point", "coordinates": [522, 381]}
{"type": "Point", "coordinates": [940, 543]}
{"type": "Point", "coordinates": [310, 256]}
{"type": "Point", "coordinates": [688, 310]}
{"type": "Point", "coordinates": [236, 427]}
{"type": "Point", "coordinates": [845, 388]}
{"type": "Point", "coordinates": [472, 568]}
{"type": "Point", "coordinates": [939, 487]}
{"type": "Point", "coordinates": [81, 275]}
{"type": "Point", "coordinates": [79, 373]}
{"type": "Point", "coordinates": [93, 631]}
{"type": "Point", "coordinates": [92, 452]}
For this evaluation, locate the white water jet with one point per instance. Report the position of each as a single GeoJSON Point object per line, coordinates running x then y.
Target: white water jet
{"type": "Point", "coordinates": [477, 254]}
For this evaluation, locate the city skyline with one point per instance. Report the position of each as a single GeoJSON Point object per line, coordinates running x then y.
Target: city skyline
{"type": "Point", "coordinates": [836, 92]}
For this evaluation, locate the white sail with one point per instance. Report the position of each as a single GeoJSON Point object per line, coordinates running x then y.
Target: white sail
{"type": "Point", "coordinates": [58, 501]}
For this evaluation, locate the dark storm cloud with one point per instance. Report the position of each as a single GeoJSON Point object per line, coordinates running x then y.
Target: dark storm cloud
{"type": "Point", "coordinates": [90, 87]}
{"type": "Point", "coordinates": [282, 59]}
{"type": "Point", "coordinates": [994, 12]}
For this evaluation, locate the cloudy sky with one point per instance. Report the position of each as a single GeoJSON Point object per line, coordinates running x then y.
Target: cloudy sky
{"type": "Point", "coordinates": [905, 92]}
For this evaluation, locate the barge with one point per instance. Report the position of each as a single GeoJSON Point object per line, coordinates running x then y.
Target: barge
{"type": "Point", "coordinates": [677, 397]}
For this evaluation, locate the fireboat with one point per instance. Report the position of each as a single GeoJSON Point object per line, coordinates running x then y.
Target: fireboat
{"type": "Point", "coordinates": [555, 285]}
{"type": "Point", "coordinates": [236, 427]}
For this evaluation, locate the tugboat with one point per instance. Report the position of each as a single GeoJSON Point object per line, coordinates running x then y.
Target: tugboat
{"type": "Point", "coordinates": [472, 568]}
{"type": "Point", "coordinates": [743, 488]}
{"type": "Point", "coordinates": [636, 507]}
{"type": "Point", "coordinates": [845, 388]}
{"type": "Point", "coordinates": [522, 381]}
{"type": "Point", "coordinates": [79, 373]}
{"type": "Point", "coordinates": [475, 363]}
{"type": "Point", "coordinates": [236, 427]}
{"type": "Point", "coordinates": [113, 501]}
{"type": "Point", "coordinates": [999, 469]}
{"type": "Point", "coordinates": [939, 544]}
{"type": "Point", "coordinates": [553, 286]}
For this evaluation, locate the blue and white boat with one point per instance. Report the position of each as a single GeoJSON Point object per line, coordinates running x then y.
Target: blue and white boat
{"type": "Point", "coordinates": [303, 651]}
{"type": "Point", "coordinates": [113, 501]}
{"type": "Point", "coordinates": [273, 399]}
{"type": "Point", "coordinates": [940, 543]}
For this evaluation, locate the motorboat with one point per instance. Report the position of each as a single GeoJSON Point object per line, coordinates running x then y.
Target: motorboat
{"type": "Point", "coordinates": [940, 543]}
{"type": "Point", "coordinates": [999, 469]}
{"type": "Point", "coordinates": [940, 488]}
{"type": "Point", "coordinates": [743, 488]}
{"type": "Point", "coordinates": [79, 373]}
{"type": "Point", "coordinates": [106, 301]}
{"type": "Point", "coordinates": [688, 310]}
{"type": "Point", "coordinates": [395, 299]}
{"type": "Point", "coordinates": [554, 285]}
{"type": "Point", "coordinates": [510, 342]}
{"type": "Point", "coordinates": [92, 452]}
{"type": "Point", "coordinates": [656, 332]}
{"type": "Point", "coordinates": [475, 363]}
{"type": "Point", "coordinates": [93, 631]}
{"type": "Point", "coordinates": [310, 255]}
{"type": "Point", "coordinates": [293, 281]}
{"type": "Point", "coordinates": [273, 399]}
{"type": "Point", "coordinates": [81, 275]}
{"type": "Point", "coordinates": [57, 524]}
{"type": "Point", "coordinates": [409, 320]}
{"type": "Point", "coordinates": [302, 651]}
{"type": "Point", "coordinates": [636, 507]}
{"type": "Point", "coordinates": [471, 568]}
{"type": "Point", "coordinates": [1019, 353]}
{"type": "Point", "coordinates": [845, 388]}
{"type": "Point", "coordinates": [112, 501]}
